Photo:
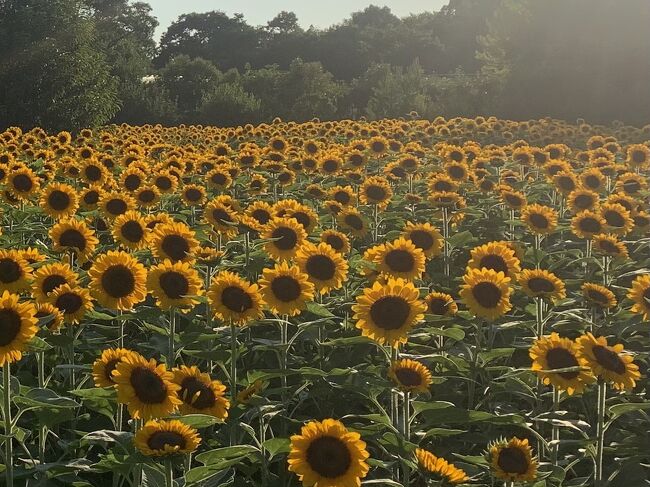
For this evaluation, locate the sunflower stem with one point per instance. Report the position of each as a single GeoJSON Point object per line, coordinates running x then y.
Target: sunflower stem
{"type": "Point", "coordinates": [406, 429]}
{"type": "Point", "coordinates": [375, 228]}
{"type": "Point", "coordinates": [512, 225]}
{"type": "Point", "coordinates": [539, 316]}
{"type": "Point", "coordinates": [171, 354]}
{"type": "Point", "coordinates": [605, 270]}
{"type": "Point", "coordinates": [445, 238]}
{"type": "Point", "coordinates": [555, 433]}
{"type": "Point", "coordinates": [73, 378]}
{"type": "Point", "coordinates": [233, 362]}
{"type": "Point", "coordinates": [9, 454]}
{"type": "Point", "coordinates": [42, 430]}
{"type": "Point", "coordinates": [600, 433]}
{"type": "Point", "coordinates": [169, 473]}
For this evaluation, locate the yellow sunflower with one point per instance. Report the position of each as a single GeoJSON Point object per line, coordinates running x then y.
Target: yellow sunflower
{"type": "Point", "coordinates": [587, 223]}
{"type": "Point", "coordinates": [496, 256]}
{"type": "Point", "coordinates": [399, 259]}
{"type": "Point", "coordinates": [339, 241]}
{"type": "Point", "coordinates": [166, 437]}
{"type": "Point", "coordinates": [72, 302]}
{"type": "Point", "coordinates": [221, 216]}
{"type": "Point", "coordinates": [59, 200]}
{"type": "Point", "coordinates": [174, 241]}
{"type": "Point", "coordinates": [440, 467]}
{"type": "Point", "coordinates": [18, 325]}
{"type": "Point", "coordinates": [115, 203]}
{"type": "Point", "coordinates": [375, 190]}
{"type": "Point", "coordinates": [512, 460]}
{"type": "Point", "coordinates": [130, 230]}
{"type": "Point", "coordinates": [234, 299]}
{"type": "Point", "coordinates": [285, 236]}
{"type": "Point", "coordinates": [106, 364]}
{"type": "Point", "coordinates": [618, 218]}
{"type": "Point", "coordinates": [193, 195]}
{"type": "Point", "coordinates": [199, 393]}
{"type": "Point", "coordinates": [540, 283]}
{"type": "Point", "coordinates": [73, 235]}
{"type": "Point", "coordinates": [15, 272]}
{"type": "Point", "coordinates": [174, 285]}
{"type": "Point", "coordinates": [598, 295]}
{"type": "Point", "coordinates": [425, 237]}
{"type": "Point", "coordinates": [352, 221]}
{"type": "Point", "coordinates": [539, 219]}
{"type": "Point", "coordinates": [326, 454]}
{"type": "Point", "coordinates": [410, 376]}
{"type": "Point", "coordinates": [486, 293]}
{"type": "Point", "coordinates": [387, 312]}
{"type": "Point", "coordinates": [49, 316]}
{"type": "Point", "coordinates": [639, 294]}
{"type": "Point", "coordinates": [608, 362]}
{"type": "Point", "coordinates": [286, 289]}
{"type": "Point", "coordinates": [325, 267]}
{"type": "Point", "coordinates": [50, 276]}
{"type": "Point", "coordinates": [608, 244]}
{"type": "Point", "coordinates": [440, 304]}
{"type": "Point", "coordinates": [118, 280]}
{"type": "Point", "coordinates": [581, 200]}
{"type": "Point", "coordinates": [22, 183]}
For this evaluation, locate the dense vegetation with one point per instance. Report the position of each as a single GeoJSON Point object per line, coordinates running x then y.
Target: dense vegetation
{"type": "Point", "coordinates": [72, 63]}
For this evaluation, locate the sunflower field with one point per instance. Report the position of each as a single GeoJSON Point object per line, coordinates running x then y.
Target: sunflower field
{"type": "Point", "coordinates": [327, 304]}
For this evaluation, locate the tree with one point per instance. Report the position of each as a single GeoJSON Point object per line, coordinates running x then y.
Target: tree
{"type": "Point", "coordinates": [229, 104]}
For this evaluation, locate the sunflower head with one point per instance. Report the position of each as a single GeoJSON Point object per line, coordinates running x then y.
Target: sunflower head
{"type": "Point", "coordinates": [326, 268]}
{"type": "Point", "coordinates": [540, 283]}
{"type": "Point", "coordinates": [598, 296]}
{"type": "Point", "coordinates": [410, 376]}
{"type": "Point", "coordinates": [639, 294]}
{"type": "Point", "coordinates": [486, 293]}
{"type": "Point", "coordinates": [166, 437]}
{"type": "Point", "coordinates": [72, 302]}
{"type": "Point", "coordinates": [286, 289]}
{"type": "Point", "coordinates": [440, 304]}
{"type": "Point", "coordinates": [199, 393]}
{"type": "Point", "coordinates": [400, 259]}
{"type": "Point", "coordinates": [512, 460]}
{"type": "Point", "coordinates": [174, 284]}
{"type": "Point", "coordinates": [440, 468]}
{"type": "Point", "coordinates": [118, 280]}
{"type": "Point", "coordinates": [18, 325]}
{"type": "Point", "coordinates": [15, 272]}
{"type": "Point", "coordinates": [425, 237]}
{"type": "Point", "coordinates": [539, 219]}
{"type": "Point", "coordinates": [106, 364]}
{"type": "Point", "coordinates": [285, 236]}
{"type": "Point", "coordinates": [608, 362]}
{"type": "Point", "coordinates": [234, 299]}
{"type": "Point", "coordinates": [496, 256]}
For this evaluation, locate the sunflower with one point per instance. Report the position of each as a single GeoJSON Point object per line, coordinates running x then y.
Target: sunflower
{"type": "Point", "coordinates": [18, 325]}
{"type": "Point", "coordinates": [440, 304]}
{"type": "Point", "coordinates": [145, 387]}
{"type": "Point", "coordinates": [115, 203]}
{"type": "Point", "coordinates": [284, 236]}
{"type": "Point", "coordinates": [631, 184]}
{"type": "Point", "coordinates": [540, 219]}
{"type": "Point", "coordinates": [352, 221]}
{"type": "Point", "coordinates": [49, 316]}
{"type": "Point", "coordinates": [199, 393]}
{"type": "Point", "coordinates": [72, 302]}
{"type": "Point", "coordinates": [540, 283]}
{"type": "Point", "coordinates": [89, 197]}
{"type": "Point", "coordinates": [245, 395]}
{"type": "Point", "coordinates": [326, 454]}
{"type": "Point", "coordinates": [15, 272]}
{"type": "Point", "coordinates": [130, 230]}
{"type": "Point", "coordinates": [174, 285]}
{"type": "Point", "coordinates": [218, 178]}
{"type": "Point", "coordinates": [337, 240]}
{"type": "Point", "coordinates": [344, 195]}
{"type": "Point", "coordinates": [582, 199]}
{"type": "Point", "coordinates": [496, 256]}
{"type": "Point", "coordinates": [440, 467]}
{"type": "Point", "coordinates": [410, 376]}
{"type": "Point", "coordinates": [303, 214]}
{"type": "Point", "coordinates": [118, 280]}
{"type": "Point", "coordinates": [587, 223]}
{"type": "Point", "coordinates": [565, 182]}
{"type": "Point", "coordinates": [166, 437]}
{"type": "Point", "coordinates": [386, 312]}
{"type": "Point", "coordinates": [165, 181]}
{"type": "Point", "coordinates": [375, 190]}
{"type": "Point", "coordinates": [257, 184]}
{"type": "Point", "coordinates": [425, 237]}
{"type": "Point", "coordinates": [221, 216]}
{"type": "Point", "coordinates": [400, 258]}
{"type": "Point", "coordinates": [147, 196]}
{"type": "Point", "coordinates": [457, 171]}
{"type": "Point", "coordinates": [234, 299]}
{"type": "Point", "coordinates": [22, 183]}
{"type": "Point", "coordinates": [193, 195]}
{"type": "Point", "coordinates": [553, 352]}
{"type": "Point", "coordinates": [641, 221]}
{"type": "Point", "coordinates": [486, 293]}
{"type": "Point", "coordinates": [325, 267]}
{"type": "Point", "coordinates": [618, 218]}
{"type": "Point", "coordinates": [50, 276]}
{"type": "Point", "coordinates": [261, 212]}
{"type": "Point", "coordinates": [106, 364]}
{"type": "Point", "coordinates": [608, 244]}
{"type": "Point", "coordinates": [174, 241]}
{"type": "Point", "coordinates": [59, 200]}
{"type": "Point", "coordinates": [593, 179]}
{"type": "Point", "coordinates": [598, 296]}
{"type": "Point", "coordinates": [72, 235]}
{"type": "Point", "coordinates": [639, 294]}
{"type": "Point", "coordinates": [515, 200]}
{"type": "Point", "coordinates": [638, 155]}
{"type": "Point", "coordinates": [93, 172]}
{"type": "Point", "coordinates": [442, 182]}
{"type": "Point", "coordinates": [286, 289]}
{"type": "Point", "coordinates": [608, 362]}
{"type": "Point", "coordinates": [512, 460]}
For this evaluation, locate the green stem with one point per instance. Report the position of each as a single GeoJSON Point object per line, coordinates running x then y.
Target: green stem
{"type": "Point", "coordinates": [169, 473]}
{"type": "Point", "coordinates": [600, 433]}
{"type": "Point", "coordinates": [171, 354]}
{"type": "Point", "coordinates": [555, 434]}
{"type": "Point", "coordinates": [73, 379]}
{"type": "Point", "coordinates": [406, 429]}
{"type": "Point", "coordinates": [233, 362]}
{"type": "Point", "coordinates": [9, 454]}
{"type": "Point", "coordinates": [445, 238]}
{"type": "Point", "coordinates": [42, 430]}
{"type": "Point", "coordinates": [375, 228]}
{"type": "Point", "coordinates": [539, 317]}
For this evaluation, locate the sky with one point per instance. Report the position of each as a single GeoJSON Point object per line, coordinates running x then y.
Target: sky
{"type": "Point", "coordinates": [310, 12]}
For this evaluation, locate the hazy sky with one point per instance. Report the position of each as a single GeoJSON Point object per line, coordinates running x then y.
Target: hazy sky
{"type": "Point", "coordinates": [309, 12]}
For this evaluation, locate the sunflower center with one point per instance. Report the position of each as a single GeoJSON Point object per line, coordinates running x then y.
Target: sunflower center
{"type": "Point", "coordinates": [598, 296]}
{"type": "Point", "coordinates": [589, 224]}
{"type": "Point", "coordinates": [540, 285]}
{"type": "Point", "coordinates": [566, 184]}
{"type": "Point", "coordinates": [638, 157]}
{"type": "Point", "coordinates": [10, 271]}
{"type": "Point", "coordinates": [456, 172]}
{"type": "Point", "coordinates": [539, 221]}
{"type": "Point", "coordinates": [116, 206]}
{"type": "Point", "coordinates": [69, 303]}
{"type": "Point", "coordinates": [390, 312]}
{"type": "Point", "coordinates": [175, 246]}
{"type": "Point", "coordinates": [58, 200]}
{"type": "Point", "coordinates": [329, 457]}
{"type": "Point", "coordinates": [23, 183]}
{"type": "Point", "coordinates": [408, 377]}
{"type": "Point", "coordinates": [399, 260]}
{"type": "Point", "coordinates": [443, 186]}
{"type": "Point", "coordinates": [583, 201]}
{"type": "Point", "coordinates": [286, 288]}
{"type": "Point", "coordinates": [335, 242]}
{"type": "Point", "coordinates": [421, 239]}
{"type": "Point", "coordinates": [342, 197]}
{"type": "Point", "coordinates": [437, 306]}
{"type": "Point", "coordinates": [109, 368]}
{"type": "Point", "coordinates": [646, 297]}
{"type": "Point", "coordinates": [196, 393]}
{"type": "Point", "coordinates": [262, 216]}
{"type": "Point", "coordinates": [375, 192]}
{"type": "Point", "coordinates": [513, 461]}
{"type": "Point", "coordinates": [159, 439]}
{"type": "Point", "coordinates": [608, 359]}
{"type": "Point", "coordinates": [354, 222]}
{"type": "Point", "coordinates": [330, 166]}
{"type": "Point", "coordinates": [494, 262]}
{"type": "Point", "coordinates": [614, 218]}
{"type": "Point", "coordinates": [592, 182]}
{"type": "Point", "coordinates": [164, 183]}
{"type": "Point", "coordinates": [93, 173]}
{"type": "Point", "coordinates": [513, 200]}
{"type": "Point", "coordinates": [608, 246]}
{"type": "Point", "coordinates": [72, 238]}
{"type": "Point", "coordinates": [91, 197]}
{"type": "Point", "coordinates": [218, 179]}
{"type": "Point", "coordinates": [221, 216]}
{"type": "Point", "coordinates": [132, 231]}
{"type": "Point", "coordinates": [487, 294]}
{"type": "Point", "coordinates": [118, 281]}
{"type": "Point", "coordinates": [132, 182]}
{"type": "Point", "coordinates": [148, 386]}
{"type": "Point", "coordinates": [174, 284]}
{"type": "Point", "coordinates": [321, 267]}
{"type": "Point", "coordinates": [287, 238]}
{"type": "Point", "coordinates": [561, 358]}
{"type": "Point", "coordinates": [50, 283]}
{"type": "Point", "coordinates": [146, 196]}
{"type": "Point", "coordinates": [302, 218]}
{"type": "Point", "coordinates": [9, 326]}
{"type": "Point", "coordinates": [236, 299]}
{"type": "Point", "coordinates": [41, 315]}
{"type": "Point", "coordinates": [193, 194]}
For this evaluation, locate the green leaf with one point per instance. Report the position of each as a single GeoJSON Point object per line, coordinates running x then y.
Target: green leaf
{"type": "Point", "coordinates": [45, 398]}
{"type": "Point", "coordinates": [277, 445]}
{"type": "Point", "coordinates": [620, 409]}
{"type": "Point", "coordinates": [37, 344]}
{"type": "Point", "coordinates": [319, 310]}
{"type": "Point", "coordinates": [101, 400]}
{"type": "Point", "coordinates": [226, 453]}
{"type": "Point", "coordinates": [199, 420]}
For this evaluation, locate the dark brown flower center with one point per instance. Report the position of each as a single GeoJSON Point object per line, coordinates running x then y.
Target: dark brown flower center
{"type": "Point", "coordinates": [236, 299]}
{"type": "Point", "coordinates": [329, 457]}
{"type": "Point", "coordinates": [50, 283]}
{"type": "Point", "coordinates": [561, 358]}
{"type": "Point", "coordinates": [539, 221]}
{"type": "Point", "coordinates": [589, 224]}
{"type": "Point", "coordinates": [148, 386]}
{"type": "Point", "coordinates": [597, 296]}
{"type": "Point", "coordinates": [614, 218]}
{"type": "Point", "coordinates": [196, 393]}
{"type": "Point", "coordinates": [287, 238]}
{"type": "Point", "coordinates": [221, 216]}
{"type": "Point", "coordinates": [408, 377]}
{"type": "Point", "coordinates": [375, 192]}
{"type": "Point", "coordinates": [132, 231]}
{"type": "Point", "coordinates": [583, 201]}
{"type": "Point", "coordinates": [93, 173]}
{"type": "Point", "coordinates": [146, 196]}
{"type": "Point", "coordinates": [262, 216]}
{"type": "Point", "coordinates": [164, 183]}
{"type": "Point", "coordinates": [494, 262]}
{"type": "Point", "coordinates": [399, 260]}
{"type": "Point", "coordinates": [132, 182]}
{"type": "Point", "coordinates": [10, 271]}
{"type": "Point", "coordinates": [342, 197]}
{"type": "Point", "coordinates": [286, 288]}
{"type": "Point", "coordinates": [23, 183]}
{"type": "Point", "coordinates": [335, 242]}
{"type": "Point", "coordinates": [422, 239]}
{"type": "Point", "coordinates": [354, 221]}
{"type": "Point", "coordinates": [193, 194]}
{"type": "Point", "coordinates": [456, 172]}
{"type": "Point", "coordinates": [174, 284]}
{"type": "Point", "coordinates": [9, 326]}
{"type": "Point", "coordinates": [116, 206]}
{"type": "Point", "coordinates": [219, 179]}
{"type": "Point", "coordinates": [72, 238]}
{"type": "Point", "coordinates": [438, 306]}
{"type": "Point", "coordinates": [159, 439]}
{"type": "Point", "coordinates": [69, 303]}
{"type": "Point", "coordinates": [540, 285]}
{"type": "Point", "coordinates": [566, 183]}
{"type": "Point", "coordinates": [330, 166]}
{"type": "Point", "coordinates": [109, 368]}
{"type": "Point", "coordinates": [390, 312]}
{"type": "Point", "coordinates": [91, 197]}
{"type": "Point", "coordinates": [513, 461]}
{"type": "Point", "coordinates": [514, 200]}
{"type": "Point", "coordinates": [321, 267]}
{"type": "Point", "coordinates": [58, 200]}
{"type": "Point", "coordinates": [175, 246]}
{"type": "Point", "coordinates": [608, 359]}
{"type": "Point", "coordinates": [118, 281]}
{"type": "Point", "coordinates": [487, 294]}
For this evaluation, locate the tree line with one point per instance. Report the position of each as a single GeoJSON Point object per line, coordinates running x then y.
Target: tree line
{"type": "Point", "coordinates": [75, 63]}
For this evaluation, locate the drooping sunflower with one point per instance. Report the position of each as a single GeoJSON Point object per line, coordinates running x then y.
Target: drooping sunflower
{"type": "Point", "coordinates": [410, 376]}
{"type": "Point", "coordinates": [399, 259]}
{"type": "Point", "coordinates": [608, 362]}
{"type": "Point", "coordinates": [618, 218]}
{"type": "Point", "coordinates": [387, 312]}
{"type": "Point", "coordinates": [512, 460]}
{"type": "Point", "coordinates": [130, 230]}
{"type": "Point", "coordinates": [587, 223]}
{"type": "Point", "coordinates": [425, 237]}
{"type": "Point", "coordinates": [486, 293]}
{"type": "Point", "coordinates": [174, 241]}
{"type": "Point", "coordinates": [72, 302]}
{"type": "Point", "coordinates": [199, 393]}
{"type": "Point", "coordinates": [50, 276]}
{"type": "Point", "coordinates": [118, 280]}
{"type": "Point", "coordinates": [325, 267]}
{"type": "Point", "coordinates": [639, 294]}
{"type": "Point", "coordinates": [539, 219]}
{"type": "Point", "coordinates": [285, 236]}
{"type": "Point", "coordinates": [441, 468]}
{"type": "Point", "coordinates": [72, 235]}
{"type": "Point", "coordinates": [106, 364]}
{"type": "Point", "coordinates": [326, 454]}
{"type": "Point", "coordinates": [18, 325]}
{"type": "Point", "coordinates": [174, 285]}
{"type": "Point", "coordinates": [352, 221]}
{"type": "Point", "coordinates": [598, 296]}
{"type": "Point", "coordinates": [440, 304]}
{"type": "Point", "coordinates": [145, 387]}
{"type": "Point", "coordinates": [540, 283]}
{"type": "Point", "coordinates": [59, 200]}
{"type": "Point", "coordinates": [375, 190]}
{"type": "Point", "coordinates": [234, 299]}
{"type": "Point", "coordinates": [166, 437]}
{"type": "Point", "coordinates": [608, 244]}
{"type": "Point", "coordinates": [15, 272]}
{"type": "Point", "coordinates": [554, 352]}
{"type": "Point", "coordinates": [337, 240]}
{"type": "Point", "coordinates": [286, 289]}
{"type": "Point", "coordinates": [496, 256]}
